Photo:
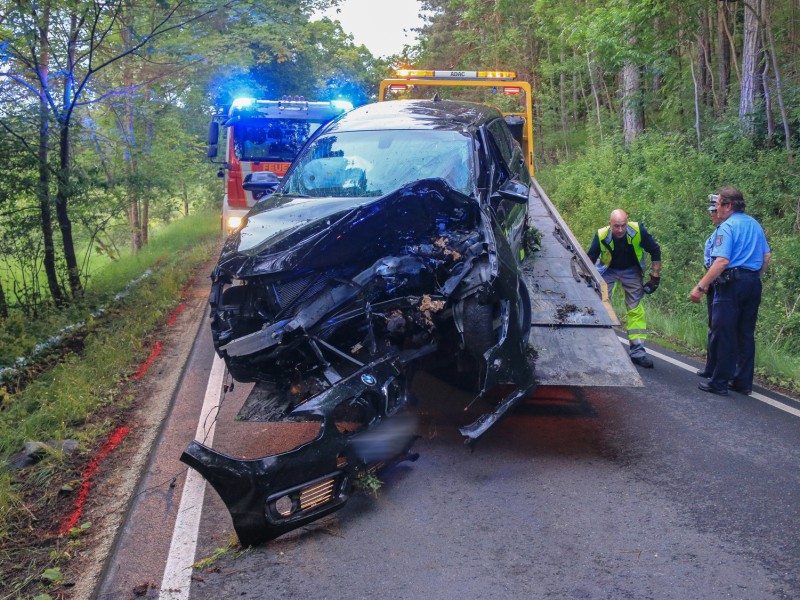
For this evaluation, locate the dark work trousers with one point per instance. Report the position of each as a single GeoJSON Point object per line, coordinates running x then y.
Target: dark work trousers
{"type": "Point", "coordinates": [733, 326]}
{"type": "Point", "coordinates": [711, 355]}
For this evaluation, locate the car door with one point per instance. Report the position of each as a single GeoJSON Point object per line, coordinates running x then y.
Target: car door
{"type": "Point", "coordinates": [507, 163]}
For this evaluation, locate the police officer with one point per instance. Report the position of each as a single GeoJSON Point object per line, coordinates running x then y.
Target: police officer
{"type": "Point", "coordinates": [618, 250]}
{"type": "Point", "coordinates": [707, 262]}
{"type": "Point", "coordinates": [741, 255]}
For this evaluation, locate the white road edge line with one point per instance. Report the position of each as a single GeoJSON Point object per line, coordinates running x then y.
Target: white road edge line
{"type": "Point", "coordinates": [756, 395]}
{"type": "Point", "coordinates": [177, 579]}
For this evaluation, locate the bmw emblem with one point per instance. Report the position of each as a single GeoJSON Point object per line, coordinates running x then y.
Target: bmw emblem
{"type": "Point", "coordinates": [368, 379]}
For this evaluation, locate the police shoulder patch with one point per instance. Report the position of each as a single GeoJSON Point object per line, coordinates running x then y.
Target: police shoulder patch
{"type": "Point", "coordinates": [718, 240]}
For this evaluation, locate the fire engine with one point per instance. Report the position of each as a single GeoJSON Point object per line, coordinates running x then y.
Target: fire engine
{"type": "Point", "coordinates": [262, 139]}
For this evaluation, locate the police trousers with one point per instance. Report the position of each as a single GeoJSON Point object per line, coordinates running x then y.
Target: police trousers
{"type": "Point", "coordinates": [733, 326]}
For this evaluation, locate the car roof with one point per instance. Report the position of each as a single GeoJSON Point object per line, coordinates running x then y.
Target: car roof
{"type": "Point", "coordinates": [415, 114]}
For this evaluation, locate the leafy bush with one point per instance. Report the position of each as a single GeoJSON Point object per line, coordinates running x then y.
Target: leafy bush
{"type": "Point", "coordinates": [664, 182]}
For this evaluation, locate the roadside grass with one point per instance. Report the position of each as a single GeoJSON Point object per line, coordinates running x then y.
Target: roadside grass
{"type": "Point", "coordinates": [20, 334]}
{"type": "Point", "coordinates": [80, 397]}
{"type": "Point", "coordinates": [687, 333]}
{"type": "Point", "coordinates": [177, 236]}
{"type": "Point", "coordinates": [231, 549]}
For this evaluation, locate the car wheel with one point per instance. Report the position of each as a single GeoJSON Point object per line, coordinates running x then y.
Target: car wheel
{"type": "Point", "coordinates": [479, 333]}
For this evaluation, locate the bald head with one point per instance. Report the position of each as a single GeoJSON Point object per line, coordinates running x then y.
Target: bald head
{"type": "Point", "coordinates": [618, 222]}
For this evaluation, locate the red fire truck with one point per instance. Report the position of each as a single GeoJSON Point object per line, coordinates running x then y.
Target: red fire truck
{"type": "Point", "coordinates": [262, 139]}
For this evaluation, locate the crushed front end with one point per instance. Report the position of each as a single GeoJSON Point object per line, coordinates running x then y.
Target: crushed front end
{"type": "Point", "coordinates": [329, 306]}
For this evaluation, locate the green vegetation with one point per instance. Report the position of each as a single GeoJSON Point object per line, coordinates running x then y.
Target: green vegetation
{"type": "Point", "coordinates": [104, 177]}
{"type": "Point", "coordinates": [20, 333]}
{"type": "Point", "coordinates": [650, 106]}
{"type": "Point", "coordinates": [103, 146]}
{"type": "Point", "coordinates": [369, 483]}
{"type": "Point", "coordinates": [664, 182]}
{"type": "Point", "coordinates": [231, 549]}
{"type": "Point", "coordinates": [80, 397]}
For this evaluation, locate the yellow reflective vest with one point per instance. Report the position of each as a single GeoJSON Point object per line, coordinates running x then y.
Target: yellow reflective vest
{"type": "Point", "coordinates": [607, 244]}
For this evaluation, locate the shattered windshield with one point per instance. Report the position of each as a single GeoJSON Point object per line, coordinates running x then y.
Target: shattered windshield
{"type": "Point", "coordinates": [271, 139]}
{"type": "Point", "coordinates": [375, 163]}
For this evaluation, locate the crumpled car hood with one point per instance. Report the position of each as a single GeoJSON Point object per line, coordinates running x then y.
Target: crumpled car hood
{"type": "Point", "coordinates": [286, 233]}
{"type": "Point", "coordinates": [280, 216]}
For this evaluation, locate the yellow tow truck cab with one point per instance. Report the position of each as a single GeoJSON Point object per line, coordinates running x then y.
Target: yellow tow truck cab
{"type": "Point", "coordinates": [502, 83]}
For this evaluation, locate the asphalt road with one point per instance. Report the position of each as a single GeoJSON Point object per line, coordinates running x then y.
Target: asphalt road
{"type": "Point", "coordinates": [657, 492]}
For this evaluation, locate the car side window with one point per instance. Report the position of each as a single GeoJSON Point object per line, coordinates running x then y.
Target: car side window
{"type": "Point", "coordinates": [510, 150]}
{"type": "Point", "coordinates": [502, 137]}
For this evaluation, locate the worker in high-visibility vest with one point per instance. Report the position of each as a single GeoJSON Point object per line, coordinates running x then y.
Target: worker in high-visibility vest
{"type": "Point", "coordinates": [618, 251]}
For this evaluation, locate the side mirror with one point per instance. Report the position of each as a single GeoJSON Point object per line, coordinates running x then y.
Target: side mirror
{"type": "Point", "coordinates": [212, 151]}
{"type": "Point", "coordinates": [213, 133]}
{"type": "Point", "coordinates": [514, 191]}
{"type": "Point", "coordinates": [261, 183]}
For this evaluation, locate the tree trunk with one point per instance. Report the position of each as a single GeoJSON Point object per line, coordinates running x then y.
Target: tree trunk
{"type": "Point", "coordinates": [657, 79]}
{"type": "Point", "coordinates": [562, 99]}
{"type": "Point", "coordinates": [62, 213]}
{"type": "Point", "coordinates": [767, 104]}
{"type": "Point", "coordinates": [3, 304]}
{"type": "Point", "coordinates": [601, 77]}
{"type": "Point", "coordinates": [696, 101]}
{"type": "Point", "coordinates": [704, 59]}
{"type": "Point", "coordinates": [43, 189]}
{"type": "Point", "coordinates": [750, 52]}
{"type": "Point", "coordinates": [134, 222]}
{"type": "Point", "coordinates": [632, 121]}
{"type": "Point", "coordinates": [731, 42]}
{"type": "Point", "coordinates": [595, 94]}
{"type": "Point", "coordinates": [679, 63]}
{"type": "Point", "coordinates": [575, 83]}
{"type": "Point", "coordinates": [587, 105]}
{"type": "Point", "coordinates": [148, 151]}
{"type": "Point", "coordinates": [723, 57]}
{"type": "Point", "coordinates": [145, 220]}
{"type": "Point", "coordinates": [778, 83]}
{"type": "Point", "coordinates": [129, 138]}
{"type": "Point", "coordinates": [65, 156]}
{"type": "Point", "coordinates": [537, 107]}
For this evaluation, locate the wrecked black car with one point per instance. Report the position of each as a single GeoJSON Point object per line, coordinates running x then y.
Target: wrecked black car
{"type": "Point", "coordinates": [392, 244]}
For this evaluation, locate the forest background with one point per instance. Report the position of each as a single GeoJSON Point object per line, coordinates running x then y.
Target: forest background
{"type": "Point", "coordinates": [649, 105]}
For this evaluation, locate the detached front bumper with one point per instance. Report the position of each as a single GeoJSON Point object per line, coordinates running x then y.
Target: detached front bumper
{"type": "Point", "coordinates": [270, 496]}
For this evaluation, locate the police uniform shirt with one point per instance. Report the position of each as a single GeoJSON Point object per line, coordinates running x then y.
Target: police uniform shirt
{"type": "Point", "coordinates": [741, 240]}
{"type": "Point", "coordinates": [707, 258]}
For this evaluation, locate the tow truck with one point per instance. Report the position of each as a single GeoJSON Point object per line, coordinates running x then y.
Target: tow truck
{"type": "Point", "coordinates": [262, 139]}
{"type": "Point", "coordinates": [388, 250]}
{"type": "Point", "coordinates": [572, 320]}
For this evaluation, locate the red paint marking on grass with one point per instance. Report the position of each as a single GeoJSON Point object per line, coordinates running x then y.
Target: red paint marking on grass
{"type": "Point", "coordinates": [112, 442]}
{"type": "Point", "coordinates": [157, 348]}
{"type": "Point", "coordinates": [174, 316]}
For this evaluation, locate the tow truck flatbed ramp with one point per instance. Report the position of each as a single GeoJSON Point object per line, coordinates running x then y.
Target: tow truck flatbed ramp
{"type": "Point", "coordinates": [572, 319]}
